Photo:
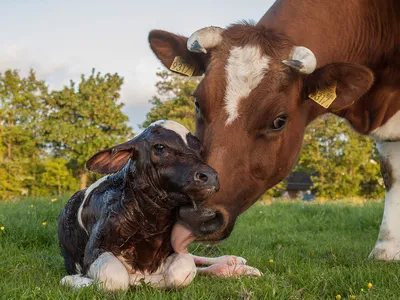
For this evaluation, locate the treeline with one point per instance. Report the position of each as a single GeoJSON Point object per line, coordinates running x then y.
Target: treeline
{"type": "Point", "coordinates": [341, 162]}
{"type": "Point", "coordinates": [46, 136]}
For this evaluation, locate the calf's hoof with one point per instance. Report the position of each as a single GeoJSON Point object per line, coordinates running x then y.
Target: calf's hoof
{"type": "Point", "coordinates": [76, 281]}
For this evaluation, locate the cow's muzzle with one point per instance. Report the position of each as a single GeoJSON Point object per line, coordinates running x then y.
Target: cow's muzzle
{"type": "Point", "coordinates": [201, 221]}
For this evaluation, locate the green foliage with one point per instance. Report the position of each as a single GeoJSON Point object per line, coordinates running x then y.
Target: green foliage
{"type": "Point", "coordinates": [174, 100]}
{"type": "Point", "coordinates": [342, 162]}
{"type": "Point", "coordinates": [57, 177]}
{"type": "Point", "coordinates": [88, 118]}
{"type": "Point", "coordinates": [318, 252]}
{"type": "Point", "coordinates": [46, 137]}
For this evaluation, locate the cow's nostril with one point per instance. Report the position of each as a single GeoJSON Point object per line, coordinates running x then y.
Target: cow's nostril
{"type": "Point", "coordinates": [200, 177]}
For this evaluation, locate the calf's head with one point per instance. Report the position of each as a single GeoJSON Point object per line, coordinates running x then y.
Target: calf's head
{"type": "Point", "coordinates": [167, 166]}
{"type": "Point", "coordinates": [252, 107]}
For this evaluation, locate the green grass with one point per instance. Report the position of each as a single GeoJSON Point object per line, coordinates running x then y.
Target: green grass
{"type": "Point", "coordinates": [318, 251]}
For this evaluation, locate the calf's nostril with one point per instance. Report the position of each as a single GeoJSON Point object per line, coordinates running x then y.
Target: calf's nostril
{"type": "Point", "coordinates": [200, 177]}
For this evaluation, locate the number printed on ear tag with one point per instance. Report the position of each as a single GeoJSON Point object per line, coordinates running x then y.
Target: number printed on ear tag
{"type": "Point", "coordinates": [179, 65]}
{"type": "Point", "coordinates": [324, 97]}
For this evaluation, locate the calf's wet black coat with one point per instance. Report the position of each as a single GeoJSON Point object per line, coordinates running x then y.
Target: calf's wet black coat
{"type": "Point", "coordinates": [130, 213]}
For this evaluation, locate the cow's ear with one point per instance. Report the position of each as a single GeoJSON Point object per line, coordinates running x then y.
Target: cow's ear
{"type": "Point", "coordinates": [337, 86]}
{"type": "Point", "coordinates": [111, 160]}
{"type": "Point", "coordinates": [168, 46]}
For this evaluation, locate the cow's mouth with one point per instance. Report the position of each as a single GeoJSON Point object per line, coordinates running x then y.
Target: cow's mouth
{"type": "Point", "coordinates": [194, 224]}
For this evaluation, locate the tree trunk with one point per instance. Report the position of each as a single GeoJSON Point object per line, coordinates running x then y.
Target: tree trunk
{"type": "Point", "coordinates": [59, 185]}
{"type": "Point", "coordinates": [84, 179]}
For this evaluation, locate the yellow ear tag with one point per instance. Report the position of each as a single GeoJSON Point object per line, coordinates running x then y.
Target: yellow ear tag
{"type": "Point", "coordinates": [179, 65]}
{"type": "Point", "coordinates": [324, 97]}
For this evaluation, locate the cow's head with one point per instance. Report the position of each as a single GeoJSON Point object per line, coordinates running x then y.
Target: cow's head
{"type": "Point", "coordinates": [252, 109]}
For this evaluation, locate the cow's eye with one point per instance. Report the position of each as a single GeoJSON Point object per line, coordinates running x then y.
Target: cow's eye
{"type": "Point", "coordinates": [159, 148]}
{"type": "Point", "coordinates": [278, 123]}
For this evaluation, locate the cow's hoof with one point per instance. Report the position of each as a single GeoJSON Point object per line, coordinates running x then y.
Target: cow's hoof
{"type": "Point", "coordinates": [387, 253]}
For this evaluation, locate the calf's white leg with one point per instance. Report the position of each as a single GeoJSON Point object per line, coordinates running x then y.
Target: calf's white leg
{"type": "Point", "coordinates": [179, 270]}
{"type": "Point", "coordinates": [229, 260]}
{"type": "Point", "coordinates": [109, 272]}
{"type": "Point", "coordinates": [388, 244]}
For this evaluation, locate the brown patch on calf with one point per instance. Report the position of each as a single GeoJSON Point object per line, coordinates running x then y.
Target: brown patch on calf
{"type": "Point", "coordinates": [387, 173]}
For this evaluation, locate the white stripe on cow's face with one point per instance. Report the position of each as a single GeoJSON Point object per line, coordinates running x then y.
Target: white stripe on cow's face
{"type": "Point", "coordinates": [179, 129]}
{"type": "Point", "coordinates": [245, 69]}
{"type": "Point", "coordinates": [87, 192]}
{"type": "Point", "coordinates": [388, 245]}
{"type": "Point", "coordinates": [389, 130]}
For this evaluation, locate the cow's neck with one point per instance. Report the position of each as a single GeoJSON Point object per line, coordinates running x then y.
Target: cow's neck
{"type": "Point", "coordinates": [339, 31]}
{"type": "Point", "coordinates": [362, 32]}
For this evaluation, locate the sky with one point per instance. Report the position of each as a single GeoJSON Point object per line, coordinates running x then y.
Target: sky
{"type": "Point", "coordinates": [61, 39]}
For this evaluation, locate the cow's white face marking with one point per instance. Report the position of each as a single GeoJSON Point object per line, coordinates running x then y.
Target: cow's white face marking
{"type": "Point", "coordinates": [388, 245]}
{"type": "Point", "coordinates": [389, 130]}
{"type": "Point", "coordinates": [245, 69]}
{"type": "Point", "coordinates": [174, 126]}
{"type": "Point", "coordinates": [87, 192]}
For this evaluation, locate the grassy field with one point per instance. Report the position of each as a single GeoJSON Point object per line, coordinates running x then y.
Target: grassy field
{"type": "Point", "coordinates": [306, 251]}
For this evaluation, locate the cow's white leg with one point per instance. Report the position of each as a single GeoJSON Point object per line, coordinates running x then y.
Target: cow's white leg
{"type": "Point", "coordinates": [109, 272]}
{"type": "Point", "coordinates": [388, 244]}
{"type": "Point", "coordinates": [229, 260]}
{"type": "Point", "coordinates": [178, 271]}
{"type": "Point", "coordinates": [223, 270]}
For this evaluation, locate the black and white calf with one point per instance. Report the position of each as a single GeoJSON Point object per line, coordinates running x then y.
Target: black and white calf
{"type": "Point", "coordinates": [118, 232]}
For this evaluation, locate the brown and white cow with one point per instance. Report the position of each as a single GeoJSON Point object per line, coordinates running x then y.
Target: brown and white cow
{"type": "Point", "coordinates": [253, 102]}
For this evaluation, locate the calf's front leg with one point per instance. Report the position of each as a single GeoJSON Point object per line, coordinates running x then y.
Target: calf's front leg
{"type": "Point", "coordinates": [225, 266]}
{"type": "Point", "coordinates": [178, 271]}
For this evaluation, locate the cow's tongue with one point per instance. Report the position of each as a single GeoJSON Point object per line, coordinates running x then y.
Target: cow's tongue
{"type": "Point", "coordinates": [181, 238]}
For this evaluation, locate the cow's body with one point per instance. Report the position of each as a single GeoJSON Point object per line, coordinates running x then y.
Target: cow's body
{"type": "Point", "coordinates": [254, 103]}
{"type": "Point", "coordinates": [366, 33]}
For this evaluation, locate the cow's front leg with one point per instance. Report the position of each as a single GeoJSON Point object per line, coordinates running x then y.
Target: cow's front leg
{"type": "Point", "coordinates": [178, 271]}
{"type": "Point", "coordinates": [225, 266]}
{"type": "Point", "coordinates": [388, 244]}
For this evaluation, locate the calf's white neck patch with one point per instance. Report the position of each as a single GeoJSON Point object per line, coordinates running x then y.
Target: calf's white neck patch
{"type": "Point", "coordinates": [174, 126]}
{"type": "Point", "coordinates": [245, 69]}
{"type": "Point", "coordinates": [87, 193]}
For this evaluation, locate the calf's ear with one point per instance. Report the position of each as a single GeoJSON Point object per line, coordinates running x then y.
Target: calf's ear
{"type": "Point", "coordinates": [337, 86]}
{"type": "Point", "coordinates": [167, 46]}
{"type": "Point", "coordinates": [111, 160]}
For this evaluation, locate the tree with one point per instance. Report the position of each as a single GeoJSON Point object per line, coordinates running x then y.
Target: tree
{"type": "Point", "coordinates": [174, 100]}
{"type": "Point", "coordinates": [22, 112]}
{"type": "Point", "coordinates": [57, 177]}
{"type": "Point", "coordinates": [86, 118]}
{"type": "Point", "coordinates": [343, 162]}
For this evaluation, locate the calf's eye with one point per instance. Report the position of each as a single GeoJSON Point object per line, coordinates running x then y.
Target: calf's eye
{"type": "Point", "coordinates": [159, 148]}
{"type": "Point", "coordinates": [278, 123]}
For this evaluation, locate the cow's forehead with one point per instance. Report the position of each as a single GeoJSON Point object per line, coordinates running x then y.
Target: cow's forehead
{"type": "Point", "coordinates": [244, 70]}
{"type": "Point", "coordinates": [179, 129]}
